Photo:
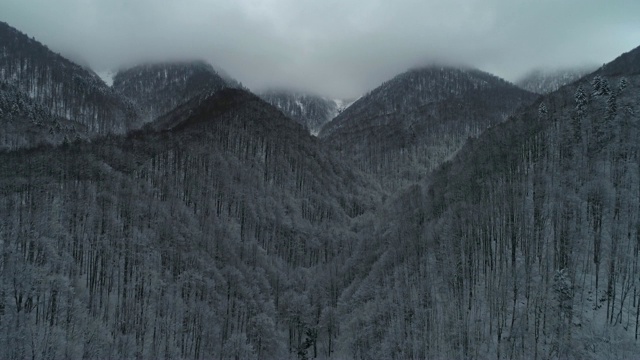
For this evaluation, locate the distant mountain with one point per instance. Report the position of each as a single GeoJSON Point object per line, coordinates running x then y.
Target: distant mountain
{"type": "Point", "coordinates": [63, 88]}
{"type": "Point", "coordinates": [522, 245]}
{"type": "Point", "coordinates": [158, 88]}
{"type": "Point", "coordinates": [312, 111]}
{"type": "Point", "coordinates": [410, 124]}
{"type": "Point", "coordinates": [546, 81]}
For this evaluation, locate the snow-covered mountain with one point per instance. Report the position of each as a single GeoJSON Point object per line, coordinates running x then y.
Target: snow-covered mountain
{"type": "Point", "coordinates": [312, 111]}
{"type": "Point", "coordinates": [546, 81]}
{"type": "Point", "coordinates": [25, 123]}
{"type": "Point", "coordinates": [524, 245]}
{"type": "Point", "coordinates": [158, 88]}
{"type": "Point", "coordinates": [62, 87]}
{"type": "Point", "coordinates": [410, 124]}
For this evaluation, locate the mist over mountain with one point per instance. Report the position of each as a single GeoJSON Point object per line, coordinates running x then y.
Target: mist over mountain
{"type": "Point", "coordinates": [446, 213]}
{"type": "Point", "coordinates": [546, 81]}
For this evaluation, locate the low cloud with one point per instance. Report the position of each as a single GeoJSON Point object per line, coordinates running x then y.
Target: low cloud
{"type": "Point", "coordinates": [336, 48]}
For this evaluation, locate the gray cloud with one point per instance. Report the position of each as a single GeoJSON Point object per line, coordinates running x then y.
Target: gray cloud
{"type": "Point", "coordinates": [338, 48]}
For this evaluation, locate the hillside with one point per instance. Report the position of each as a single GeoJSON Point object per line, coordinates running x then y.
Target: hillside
{"type": "Point", "coordinates": [218, 231]}
{"type": "Point", "coordinates": [25, 123]}
{"type": "Point", "coordinates": [523, 246]}
{"type": "Point", "coordinates": [62, 87]}
{"type": "Point", "coordinates": [158, 88]}
{"type": "Point", "coordinates": [405, 128]}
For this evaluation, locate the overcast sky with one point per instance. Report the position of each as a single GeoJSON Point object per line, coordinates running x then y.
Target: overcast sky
{"type": "Point", "coordinates": [338, 48]}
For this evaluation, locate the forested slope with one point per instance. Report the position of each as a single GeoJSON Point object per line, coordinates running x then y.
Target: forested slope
{"type": "Point", "coordinates": [524, 246]}
{"type": "Point", "coordinates": [25, 123]}
{"type": "Point", "coordinates": [63, 88]}
{"type": "Point", "coordinates": [158, 88]}
{"type": "Point", "coordinates": [406, 127]}
{"type": "Point", "coordinates": [222, 235]}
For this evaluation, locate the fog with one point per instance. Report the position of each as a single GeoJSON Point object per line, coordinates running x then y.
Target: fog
{"type": "Point", "coordinates": [332, 47]}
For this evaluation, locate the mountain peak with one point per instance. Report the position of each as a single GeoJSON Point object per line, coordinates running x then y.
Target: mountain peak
{"type": "Point", "coordinates": [201, 108]}
{"type": "Point", "coordinates": [159, 87]}
{"type": "Point", "coordinates": [418, 87]}
{"type": "Point", "coordinates": [420, 118]}
{"type": "Point", "coordinates": [208, 108]}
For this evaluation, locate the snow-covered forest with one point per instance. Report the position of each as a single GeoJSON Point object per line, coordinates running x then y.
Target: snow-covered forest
{"type": "Point", "coordinates": [312, 111]}
{"type": "Point", "coordinates": [524, 246]}
{"type": "Point", "coordinates": [402, 130]}
{"type": "Point", "coordinates": [445, 214]}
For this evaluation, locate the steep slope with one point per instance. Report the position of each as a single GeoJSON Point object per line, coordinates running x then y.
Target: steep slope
{"type": "Point", "coordinates": [403, 129]}
{"type": "Point", "coordinates": [525, 245]}
{"type": "Point", "coordinates": [312, 111]}
{"type": "Point", "coordinates": [158, 88]}
{"type": "Point", "coordinates": [627, 63]}
{"type": "Point", "coordinates": [24, 123]}
{"type": "Point", "coordinates": [64, 88]}
{"type": "Point", "coordinates": [545, 81]}
{"type": "Point", "coordinates": [221, 235]}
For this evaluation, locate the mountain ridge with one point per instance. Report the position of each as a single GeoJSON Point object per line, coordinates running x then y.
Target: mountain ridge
{"type": "Point", "coordinates": [66, 89]}
{"type": "Point", "coordinates": [406, 127]}
{"type": "Point", "coordinates": [158, 88]}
